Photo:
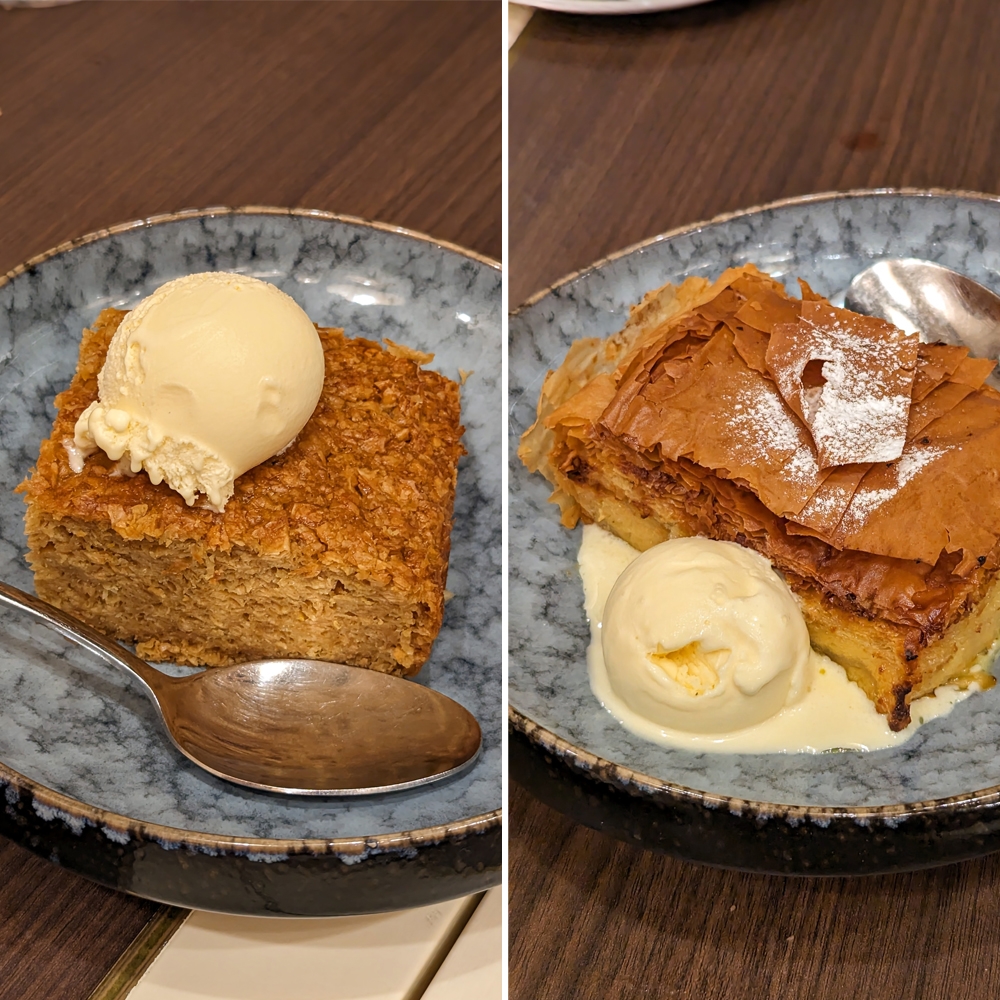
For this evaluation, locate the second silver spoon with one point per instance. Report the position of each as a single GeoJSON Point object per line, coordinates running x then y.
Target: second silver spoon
{"type": "Point", "coordinates": [939, 303]}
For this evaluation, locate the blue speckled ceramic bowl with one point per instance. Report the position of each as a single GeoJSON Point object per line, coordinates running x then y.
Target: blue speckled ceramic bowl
{"type": "Point", "coordinates": [87, 776]}
{"type": "Point", "coordinates": [932, 800]}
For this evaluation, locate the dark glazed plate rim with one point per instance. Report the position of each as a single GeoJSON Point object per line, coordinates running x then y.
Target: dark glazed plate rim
{"type": "Point", "coordinates": [72, 809]}
{"type": "Point", "coordinates": [589, 765]}
{"type": "Point", "coordinates": [585, 763]}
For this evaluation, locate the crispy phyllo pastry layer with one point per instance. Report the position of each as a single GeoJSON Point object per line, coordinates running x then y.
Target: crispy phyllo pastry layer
{"type": "Point", "coordinates": [864, 464]}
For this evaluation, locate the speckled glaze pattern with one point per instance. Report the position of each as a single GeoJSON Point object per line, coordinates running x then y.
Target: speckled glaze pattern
{"type": "Point", "coordinates": [83, 756]}
{"type": "Point", "coordinates": [825, 239]}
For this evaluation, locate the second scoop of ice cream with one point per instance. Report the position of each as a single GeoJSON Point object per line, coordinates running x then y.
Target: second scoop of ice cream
{"type": "Point", "coordinates": [703, 636]}
{"type": "Point", "coordinates": [209, 376]}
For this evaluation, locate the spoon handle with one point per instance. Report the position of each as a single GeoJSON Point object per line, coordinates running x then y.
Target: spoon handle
{"type": "Point", "coordinates": [85, 636]}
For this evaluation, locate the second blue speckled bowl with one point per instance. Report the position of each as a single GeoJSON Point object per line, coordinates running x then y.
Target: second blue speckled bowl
{"type": "Point", "coordinates": [933, 800]}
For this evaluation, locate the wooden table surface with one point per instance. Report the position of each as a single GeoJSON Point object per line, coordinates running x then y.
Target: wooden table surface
{"type": "Point", "coordinates": [624, 127]}
{"type": "Point", "coordinates": [111, 112]}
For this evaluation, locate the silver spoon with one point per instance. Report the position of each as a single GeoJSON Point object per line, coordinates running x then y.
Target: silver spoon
{"type": "Point", "coordinates": [937, 302]}
{"type": "Point", "coordinates": [301, 727]}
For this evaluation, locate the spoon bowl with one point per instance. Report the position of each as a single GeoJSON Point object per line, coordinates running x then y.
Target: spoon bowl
{"type": "Point", "coordinates": [294, 726]}
{"type": "Point", "coordinates": [940, 304]}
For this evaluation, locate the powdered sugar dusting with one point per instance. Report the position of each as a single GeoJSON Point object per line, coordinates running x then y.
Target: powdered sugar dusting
{"type": "Point", "coordinates": [917, 458]}
{"type": "Point", "coordinates": [824, 503]}
{"type": "Point", "coordinates": [866, 501]}
{"type": "Point", "coordinates": [856, 401]}
{"type": "Point", "coordinates": [826, 506]}
{"type": "Point", "coordinates": [766, 434]}
{"type": "Point", "coordinates": [762, 422]}
{"type": "Point", "coordinates": [856, 416]}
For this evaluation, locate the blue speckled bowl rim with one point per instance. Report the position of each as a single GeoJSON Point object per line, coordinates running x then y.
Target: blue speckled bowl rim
{"type": "Point", "coordinates": [174, 836]}
{"type": "Point", "coordinates": [637, 783]}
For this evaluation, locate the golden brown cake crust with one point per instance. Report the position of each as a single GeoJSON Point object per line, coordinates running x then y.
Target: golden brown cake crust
{"type": "Point", "coordinates": [366, 490]}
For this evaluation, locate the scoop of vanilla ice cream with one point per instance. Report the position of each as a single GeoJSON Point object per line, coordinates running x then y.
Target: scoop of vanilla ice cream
{"type": "Point", "coordinates": [704, 636]}
{"type": "Point", "coordinates": [209, 376]}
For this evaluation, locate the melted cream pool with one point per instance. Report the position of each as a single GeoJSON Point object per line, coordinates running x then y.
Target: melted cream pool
{"type": "Point", "coordinates": [834, 714]}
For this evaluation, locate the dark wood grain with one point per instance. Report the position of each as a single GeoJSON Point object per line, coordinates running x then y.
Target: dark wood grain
{"type": "Point", "coordinates": [624, 127]}
{"type": "Point", "coordinates": [59, 933]}
{"type": "Point", "coordinates": [117, 111]}
{"type": "Point", "coordinates": [621, 128]}
{"type": "Point", "coordinates": [591, 917]}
